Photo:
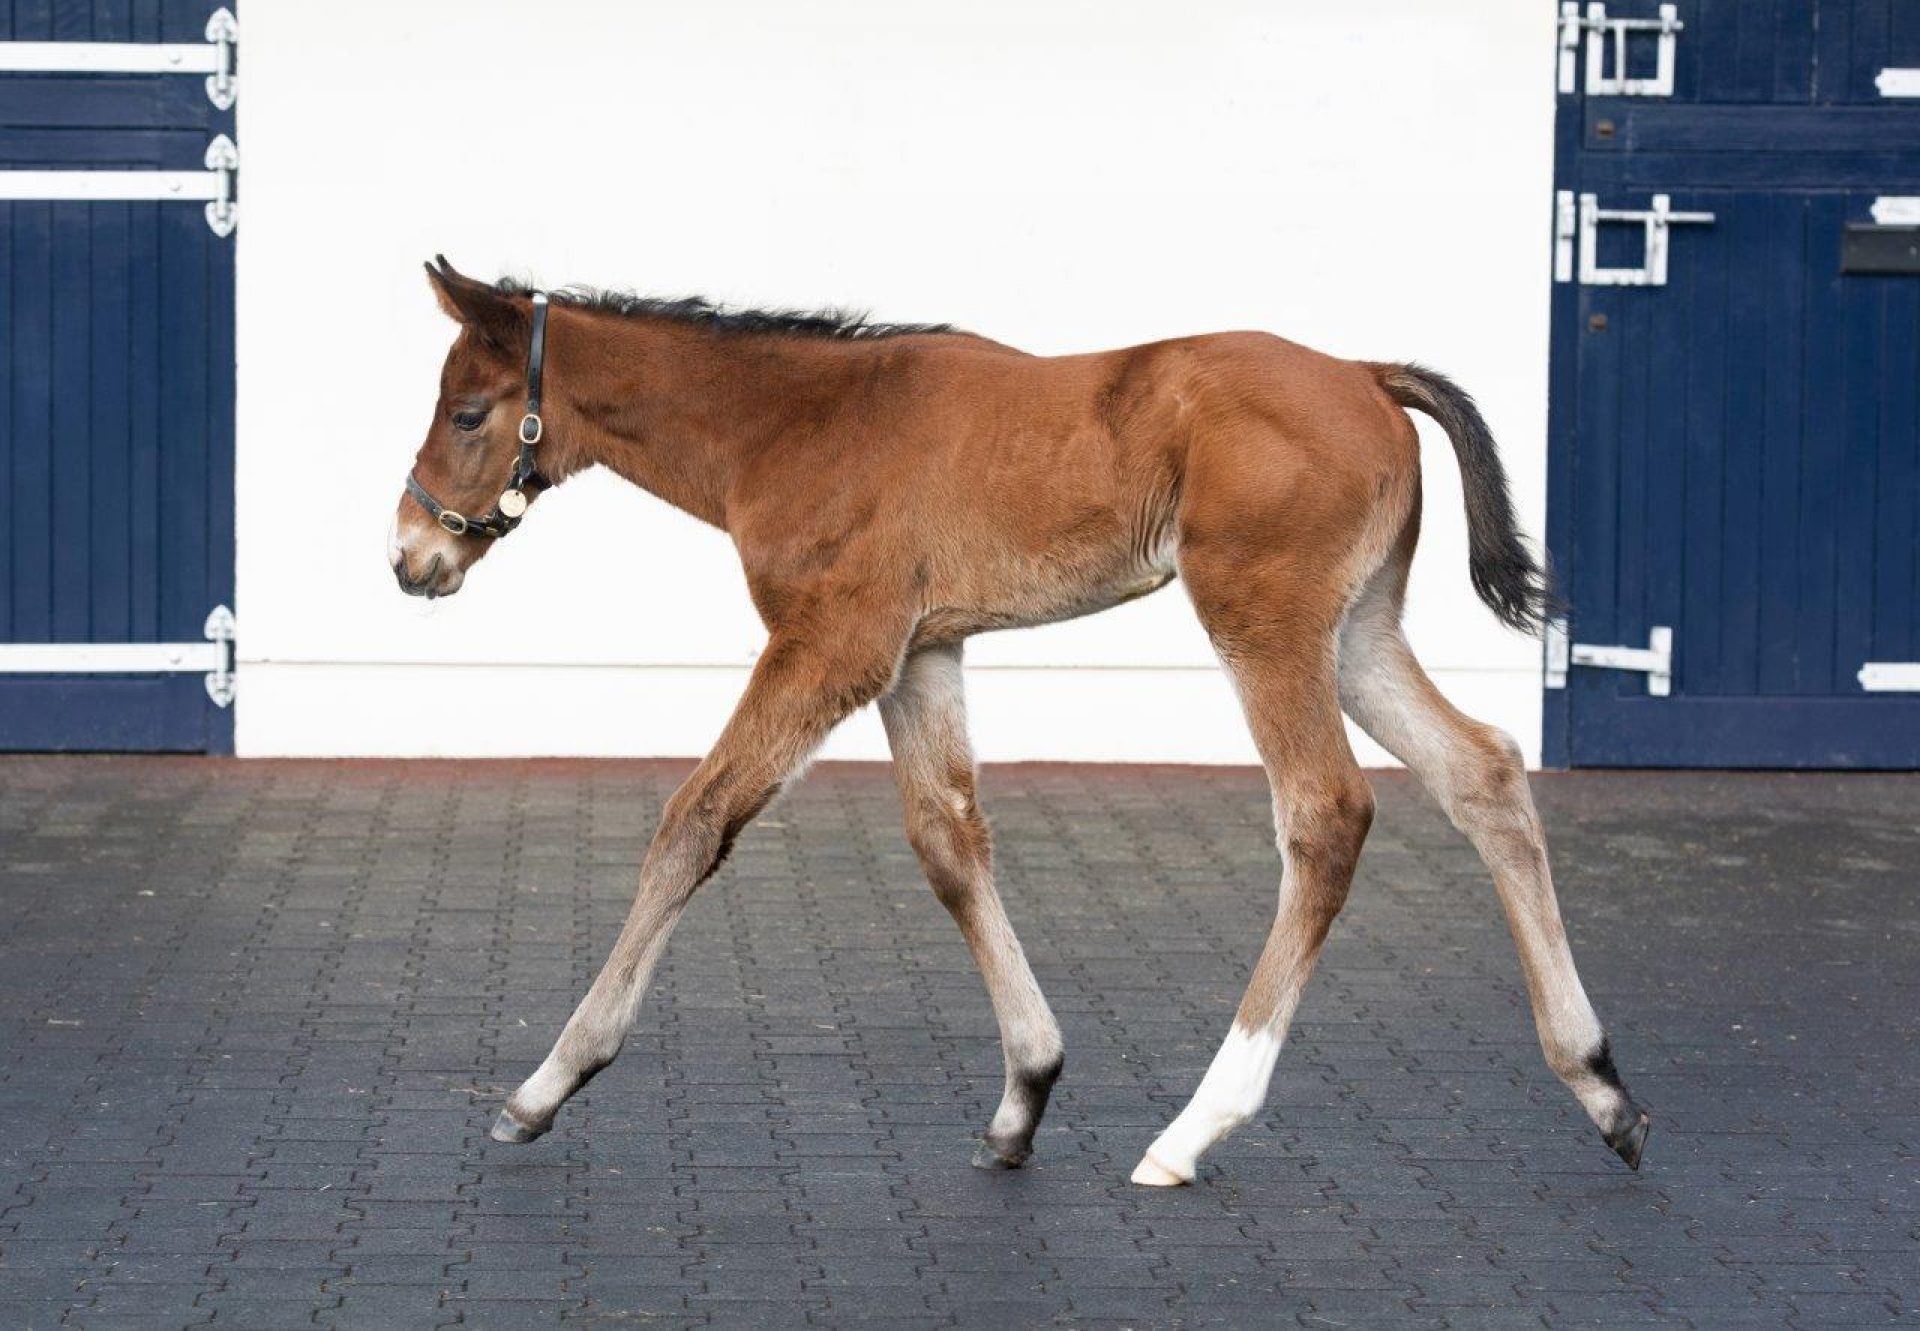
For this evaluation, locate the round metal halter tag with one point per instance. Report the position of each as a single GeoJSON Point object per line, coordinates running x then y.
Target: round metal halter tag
{"type": "Point", "coordinates": [513, 503]}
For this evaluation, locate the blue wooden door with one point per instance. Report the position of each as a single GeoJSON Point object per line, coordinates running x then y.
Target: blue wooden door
{"type": "Point", "coordinates": [116, 386]}
{"type": "Point", "coordinates": [1735, 453]}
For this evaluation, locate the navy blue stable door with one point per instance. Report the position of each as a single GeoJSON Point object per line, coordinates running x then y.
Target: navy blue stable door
{"type": "Point", "coordinates": [116, 387]}
{"type": "Point", "coordinates": [1735, 450]}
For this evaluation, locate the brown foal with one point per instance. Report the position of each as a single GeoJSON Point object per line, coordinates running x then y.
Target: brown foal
{"type": "Point", "coordinates": [893, 490]}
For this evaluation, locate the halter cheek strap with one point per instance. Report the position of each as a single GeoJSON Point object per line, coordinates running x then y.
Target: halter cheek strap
{"type": "Point", "coordinates": [507, 511]}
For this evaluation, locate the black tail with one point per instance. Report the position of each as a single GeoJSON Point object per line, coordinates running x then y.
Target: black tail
{"type": "Point", "coordinates": [1505, 573]}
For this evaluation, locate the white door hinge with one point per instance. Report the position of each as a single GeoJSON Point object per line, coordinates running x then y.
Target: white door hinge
{"type": "Point", "coordinates": [214, 657]}
{"type": "Point", "coordinates": [214, 185]}
{"type": "Point", "coordinates": [1898, 82]}
{"type": "Point", "coordinates": [213, 57]}
{"type": "Point", "coordinates": [1890, 677]}
{"type": "Point", "coordinates": [1604, 34]}
{"type": "Point", "coordinates": [1896, 210]}
{"type": "Point", "coordinates": [1655, 660]}
{"type": "Point", "coordinates": [1580, 224]}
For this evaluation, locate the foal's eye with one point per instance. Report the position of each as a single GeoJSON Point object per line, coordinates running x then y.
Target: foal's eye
{"type": "Point", "coordinates": [469, 420]}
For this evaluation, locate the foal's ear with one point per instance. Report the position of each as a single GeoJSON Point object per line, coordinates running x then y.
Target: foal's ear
{"type": "Point", "coordinates": [491, 315]}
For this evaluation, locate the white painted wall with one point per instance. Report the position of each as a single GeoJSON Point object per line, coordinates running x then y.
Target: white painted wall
{"type": "Point", "coordinates": [1372, 178]}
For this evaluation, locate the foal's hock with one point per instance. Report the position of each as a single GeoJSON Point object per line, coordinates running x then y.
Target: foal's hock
{"type": "Point", "coordinates": [894, 489]}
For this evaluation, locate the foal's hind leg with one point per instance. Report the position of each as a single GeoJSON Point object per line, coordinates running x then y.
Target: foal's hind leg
{"type": "Point", "coordinates": [926, 720]}
{"type": "Point", "coordinates": [1476, 774]}
{"type": "Point", "coordinates": [1274, 630]}
{"type": "Point", "coordinates": [803, 686]}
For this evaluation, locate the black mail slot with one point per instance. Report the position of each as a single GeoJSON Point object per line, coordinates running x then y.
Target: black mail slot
{"type": "Point", "coordinates": [1869, 248]}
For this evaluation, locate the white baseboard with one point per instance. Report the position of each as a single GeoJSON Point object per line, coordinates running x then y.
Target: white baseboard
{"type": "Point", "coordinates": [1018, 714]}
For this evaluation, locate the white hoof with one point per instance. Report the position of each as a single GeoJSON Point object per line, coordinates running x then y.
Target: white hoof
{"type": "Point", "coordinates": [1150, 1173]}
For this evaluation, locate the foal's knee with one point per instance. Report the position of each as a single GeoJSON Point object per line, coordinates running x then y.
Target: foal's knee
{"type": "Point", "coordinates": [951, 839]}
{"type": "Point", "coordinates": [699, 826]}
{"type": "Point", "coordinates": [1323, 829]}
{"type": "Point", "coordinates": [1487, 788]}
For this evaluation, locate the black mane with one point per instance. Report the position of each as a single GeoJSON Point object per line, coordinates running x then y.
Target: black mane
{"type": "Point", "coordinates": [843, 325]}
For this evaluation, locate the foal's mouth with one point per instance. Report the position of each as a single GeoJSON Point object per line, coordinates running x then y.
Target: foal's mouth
{"type": "Point", "coordinates": [428, 583]}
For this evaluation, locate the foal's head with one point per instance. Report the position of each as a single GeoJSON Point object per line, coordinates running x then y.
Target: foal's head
{"type": "Point", "coordinates": [468, 486]}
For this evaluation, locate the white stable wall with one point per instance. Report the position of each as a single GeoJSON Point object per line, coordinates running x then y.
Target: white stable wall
{"type": "Point", "coordinates": [1372, 178]}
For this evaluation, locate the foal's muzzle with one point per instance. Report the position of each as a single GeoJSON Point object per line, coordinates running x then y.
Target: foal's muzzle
{"type": "Point", "coordinates": [437, 580]}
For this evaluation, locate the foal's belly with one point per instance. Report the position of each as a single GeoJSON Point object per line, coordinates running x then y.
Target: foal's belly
{"type": "Point", "coordinates": [1044, 600]}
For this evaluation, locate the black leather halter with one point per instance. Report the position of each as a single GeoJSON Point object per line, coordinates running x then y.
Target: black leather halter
{"type": "Point", "coordinates": [507, 511]}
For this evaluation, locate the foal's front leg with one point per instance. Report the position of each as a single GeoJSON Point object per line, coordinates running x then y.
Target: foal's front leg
{"type": "Point", "coordinates": [800, 690]}
{"type": "Point", "coordinates": [926, 720]}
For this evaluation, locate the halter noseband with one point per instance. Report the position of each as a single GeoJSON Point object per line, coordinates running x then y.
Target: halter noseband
{"type": "Point", "coordinates": [507, 511]}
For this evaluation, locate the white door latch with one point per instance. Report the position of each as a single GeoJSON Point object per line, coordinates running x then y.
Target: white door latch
{"type": "Point", "coordinates": [1603, 33]}
{"type": "Point", "coordinates": [1582, 224]}
{"type": "Point", "coordinates": [1655, 660]}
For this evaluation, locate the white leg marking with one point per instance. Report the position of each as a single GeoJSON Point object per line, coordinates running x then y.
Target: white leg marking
{"type": "Point", "coordinates": [1232, 1092]}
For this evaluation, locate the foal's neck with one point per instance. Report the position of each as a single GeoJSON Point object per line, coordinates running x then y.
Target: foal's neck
{"type": "Point", "coordinates": [680, 409]}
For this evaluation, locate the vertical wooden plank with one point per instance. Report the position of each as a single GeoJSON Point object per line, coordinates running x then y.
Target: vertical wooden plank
{"type": "Point", "coordinates": [10, 335]}
{"type": "Point", "coordinates": [1595, 511]}
{"type": "Point", "coordinates": [1869, 50]}
{"type": "Point", "coordinates": [71, 21]}
{"type": "Point", "coordinates": [1824, 412]}
{"type": "Point", "coordinates": [1781, 381]}
{"type": "Point", "coordinates": [109, 458]}
{"type": "Point", "coordinates": [1833, 51]}
{"type": "Point", "coordinates": [1748, 58]}
{"type": "Point", "coordinates": [1753, 293]}
{"type": "Point", "coordinates": [1858, 443]}
{"type": "Point", "coordinates": [1896, 618]}
{"type": "Point", "coordinates": [33, 20]}
{"type": "Point", "coordinates": [1793, 53]}
{"type": "Point", "coordinates": [1644, 456]}
{"type": "Point", "coordinates": [143, 409]}
{"type": "Point", "coordinates": [1697, 517]}
{"type": "Point", "coordinates": [1671, 323]}
{"type": "Point", "coordinates": [186, 20]}
{"type": "Point", "coordinates": [1700, 60]}
{"type": "Point", "coordinates": [113, 21]}
{"type": "Point", "coordinates": [1903, 35]}
{"type": "Point", "coordinates": [69, 446]}
{"type": "Point", "coordinates": [183, 421]}
{"type": "Point", "coordinates": [31, 492]}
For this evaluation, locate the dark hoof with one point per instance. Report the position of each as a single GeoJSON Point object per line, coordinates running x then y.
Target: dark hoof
{"type": "Point", "coordinates": [508, 1129]}
{"type": "Point", "coordinates": [989, 1156]}
{"type": "Point", "coordinates": [1630, 1141]}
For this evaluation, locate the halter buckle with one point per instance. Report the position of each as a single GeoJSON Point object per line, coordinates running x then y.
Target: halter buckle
{"type": "Point", "coordinates": [452, 522]}
{"type": "Point", "coordinates": [531, 428]}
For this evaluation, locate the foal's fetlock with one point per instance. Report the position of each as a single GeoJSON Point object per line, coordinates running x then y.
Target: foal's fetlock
{"type": "Point", "coordinates": [1009, 1140]}
{"type": "Point", "coordinates": [1623, 1123]}
{"type": "Point", "coordinates": [518, 1122]}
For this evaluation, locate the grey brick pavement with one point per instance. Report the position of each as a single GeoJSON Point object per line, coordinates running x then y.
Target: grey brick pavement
{"type": "Point", "coordinates": [257, 1017]}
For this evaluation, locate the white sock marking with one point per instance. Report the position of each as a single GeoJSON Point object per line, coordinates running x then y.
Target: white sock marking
{"type": "Point", "coordinates": [1232, 1092]}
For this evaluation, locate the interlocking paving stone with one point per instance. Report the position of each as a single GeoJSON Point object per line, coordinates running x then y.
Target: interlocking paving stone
{"type": "Point", "coordinates": [257, 1017]}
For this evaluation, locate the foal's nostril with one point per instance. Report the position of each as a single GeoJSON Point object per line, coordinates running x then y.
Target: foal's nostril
{"type": "Point", "coordinates": [422, 585]}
